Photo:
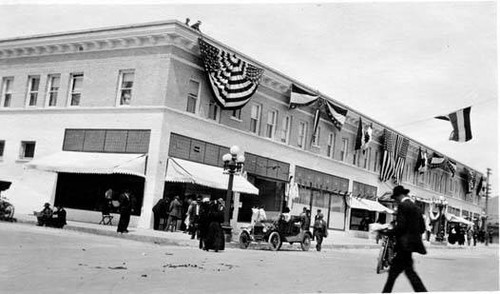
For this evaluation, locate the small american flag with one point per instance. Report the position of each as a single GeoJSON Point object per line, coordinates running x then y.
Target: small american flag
{"type": "Point", "coordinates": [232, 80]}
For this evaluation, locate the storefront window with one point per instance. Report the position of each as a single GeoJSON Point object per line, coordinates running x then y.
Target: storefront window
{"type": "Point", "coordinates": [86, 191]}
{"type": "Point", "coordinates": [337, 213]}
{"type": "Point", "coordinates": [360, 219]}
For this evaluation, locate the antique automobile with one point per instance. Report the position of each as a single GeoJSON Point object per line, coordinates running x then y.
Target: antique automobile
{"type": "Point", "coordinates": [276, 232]}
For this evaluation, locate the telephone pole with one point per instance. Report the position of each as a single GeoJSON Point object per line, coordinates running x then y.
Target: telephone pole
{"type": "Point", "coordinates": [487, 234]}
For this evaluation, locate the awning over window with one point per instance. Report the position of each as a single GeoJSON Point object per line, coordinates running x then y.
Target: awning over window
{"type": "Point", "coordinates": [456, 219]}
{"type": "Point", "coordinates": [370, 205]}
{"type": "Point", "coordinates": [183, 171]}
{"type": "Point", "coordinates": [91, 163]}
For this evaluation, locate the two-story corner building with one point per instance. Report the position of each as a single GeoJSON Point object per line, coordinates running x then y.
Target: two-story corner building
{"type": "Point", "coordinates": [131, 107]}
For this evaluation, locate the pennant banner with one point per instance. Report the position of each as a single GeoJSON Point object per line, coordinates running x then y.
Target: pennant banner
{"type": "Point", "coordinates": [301, 97]}
{"type": "Point", "coordinates": [359, 136]}
{"type": "Point", "coordinates": [421, 165]}
{"type": "Point", "coordinates": [460, 121]}
{"type": "Point", "coordinates": [367, 137]}
{"type": "Point", "coordinates": [232, 80]}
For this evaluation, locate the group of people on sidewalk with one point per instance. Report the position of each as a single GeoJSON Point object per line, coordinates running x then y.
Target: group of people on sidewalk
{"type": "Point", "coordinates": [202, 218]}
{"type": "Point", "coordinates": [48, 217]}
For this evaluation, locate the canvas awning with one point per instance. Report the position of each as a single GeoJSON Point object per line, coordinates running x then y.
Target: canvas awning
{"type": "Point", "coordinates": [183, 171]}
{"type": "Point", "coordinates": [91, 163]}
{"type": "Point", "coordinates": [370, 205]}
{"type": "Point", "coordinates": [456, 219]}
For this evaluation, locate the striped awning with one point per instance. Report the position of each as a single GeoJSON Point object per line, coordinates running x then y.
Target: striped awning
{"type": "Point", "coordinates": [184, 171]}
{"type": "Point", "coordinates": [91, 163]}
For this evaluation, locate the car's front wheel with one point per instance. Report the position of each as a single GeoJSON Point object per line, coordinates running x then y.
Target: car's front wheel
{"type": "Point", "coordinates": [306, 243]}
{"type": "Point", "coordinates": [244, 240]}
{"type": "Point", "coordinates": [275, 241]}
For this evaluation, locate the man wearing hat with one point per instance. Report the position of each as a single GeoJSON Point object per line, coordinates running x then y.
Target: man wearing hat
{"type": "Point", "coordinates": [320, 230]}
{"type": "Point", "coordinates": [408, 231]}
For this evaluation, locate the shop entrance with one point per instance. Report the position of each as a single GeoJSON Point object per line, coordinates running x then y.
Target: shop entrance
{"type": "Point", "coordinates": [86, 191]}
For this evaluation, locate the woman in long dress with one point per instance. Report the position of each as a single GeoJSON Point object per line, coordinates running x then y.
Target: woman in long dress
{"type": "Point", "coordinates": [215, 235]}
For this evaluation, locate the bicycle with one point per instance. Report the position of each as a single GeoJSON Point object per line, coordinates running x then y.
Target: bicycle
{"type": "Point", "coordinates": [387, 253]}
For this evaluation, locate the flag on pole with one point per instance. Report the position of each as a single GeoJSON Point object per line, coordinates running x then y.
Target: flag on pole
{"type": "Point", "coordinates": [233, 81]}
{"type": "Point", "coordinates": [471, 180]}
{"type": "Point", "coordinates": [443, 163]}
{"type": "Point", "coordinates": [387, 169]}
{"type": "Point", "coordinates": [421, 165]}
{"type": "Point", "coordinates": [359, 136]}
{"type": "Point", "coordinates": [316, 123]}
{"type": "Point", "coordinates": [336, 114]}
{"type": "Point", "coordinates": [460, 121]}
{"type": "Point", "coordinates": [479, 188]}
{"type": "Point", "coordinates": [451, 166]}
{"type": "Point", "coordinates": [301, 97]}
{"type": "Point", "coordinates": [367, 137]}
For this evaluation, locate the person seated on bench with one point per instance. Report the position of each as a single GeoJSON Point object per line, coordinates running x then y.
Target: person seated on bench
{"type": "Point", "coordinates": [45, 215]}
{"type": "Point", "coordinates": [59, 217]}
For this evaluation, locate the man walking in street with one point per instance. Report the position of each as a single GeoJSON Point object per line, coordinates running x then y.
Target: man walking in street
{"type": "Point", "coordinates": [408, 231]}
{"type": "Point", "coordinates": [320, 230]}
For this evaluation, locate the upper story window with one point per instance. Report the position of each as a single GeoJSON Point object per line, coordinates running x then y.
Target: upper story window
{"type": "Point", "coordinates": [76, 86]}
{"type": "Point", "coordinates": [331, 145]}
{"type": "Point", "coordinates": [2, 148]}
{"type": "Point", "coordinates": [255, 119]}
{"type": "Point", "coordinates": [343, 151]}
{"type": "Point", "coordinates": [192, 98]}
{"type": "Point", "coordinates": [316, 138]}
{"type": "Point", "coordinates": [301, 140]}
{"type": "Point", "coordinates": [7, 91]}
{"type": "Point", "coordinates": [272, 117]}
{"type": "Point", "coordinates": [285, 129]}
{"type": "Point", "coordinates": [33, 87]}
{"type": "Point", "coordinates": [375, 163]}
{"type": "Point", "coordinates": [27, 150]}
{"type": "Point", "coordinates": [125, 82]}
{"type": "Point", "coordinates": [53, 85]}
{"type": "Point", "coordinates": [236, 114]}
{"type": "Point", "coordinates": [213, 110]}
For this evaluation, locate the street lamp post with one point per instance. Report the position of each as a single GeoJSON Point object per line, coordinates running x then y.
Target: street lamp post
{"type": "Point", "coordinates": [233, 164]}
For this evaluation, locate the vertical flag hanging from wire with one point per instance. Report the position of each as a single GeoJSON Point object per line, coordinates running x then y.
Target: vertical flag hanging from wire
{"type": "Point", "coordinates": [387, 169]}
{"type": "Point", "coordinates": [400, 153]}
{"type": "Point", "coordinates": [460, 121]}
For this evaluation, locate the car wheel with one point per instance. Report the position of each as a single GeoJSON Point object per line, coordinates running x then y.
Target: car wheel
{"type": "Point", "coordinates": [244, 240]}
{"type": "Point", "coordinates": [306, 243]}
{"type": "Point", "coordinates": [275, 241]}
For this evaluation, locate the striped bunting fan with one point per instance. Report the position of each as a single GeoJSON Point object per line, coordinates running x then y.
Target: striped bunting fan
{"type": "Point", "coordinates": [232, 80]}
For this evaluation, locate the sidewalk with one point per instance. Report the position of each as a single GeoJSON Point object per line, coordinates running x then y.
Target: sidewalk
{"type": "Point", "coordinates": [335, 240]}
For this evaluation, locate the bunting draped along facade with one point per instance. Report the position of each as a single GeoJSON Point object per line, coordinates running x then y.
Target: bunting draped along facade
{"type": "Point", "coordinates": [387, 168]}
{"type": "Point", "coordinates": [460, 121]}
{"type": "Point", "coordinates": [444, 163]}
{"type": "Point", "coordinates": [233, 81]}
{"type": "Point", "coordinates": [400, 153]}
{"type": "Point", "coordinates": [301, 97]}
{"type": "Point", "coordinates": [336, 114]}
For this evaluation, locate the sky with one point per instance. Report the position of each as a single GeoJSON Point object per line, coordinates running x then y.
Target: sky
{"type": "Point", "coordinates": [400, 63]}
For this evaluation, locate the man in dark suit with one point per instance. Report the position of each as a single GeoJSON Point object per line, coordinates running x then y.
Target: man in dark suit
{"type": "Point", "coordinates": [125, 200]}
{"type": "Point", "coordinates": [408, 231]}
